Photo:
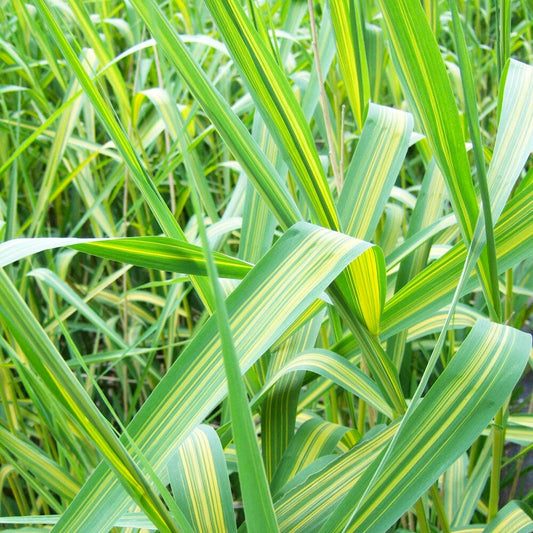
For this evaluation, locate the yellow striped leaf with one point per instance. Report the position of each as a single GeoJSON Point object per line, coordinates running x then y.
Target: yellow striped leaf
{"type": "Point", "coordinates": [314, 493]}
{"type": "Point", "coordinates": [443, 425]}
{"type": "Point", "coordinates": [430, 290]}
{"type": "Point", "coordinates": [515, 516]}
{"type": "Point", "coordinates": [314, 438]}
{"type": "Point", "coordinates": [279, 108]}
{"type": "Point", "coordinates": [200, 482]}
{"type": "Point", "coordinates": [373, 170]}
{"type": "Point", "coordinates": [278, 409]}
{"type": "Point", "coordinates": [348, 25]}
{"type": "Point", "coordinates": [338, 370]}
{"type": "Point", "coordinates": [303, 262]}
{"type": "Point", "coordinates": [423, 75]}
{"type": "Point", "coordinates": [160, 253]}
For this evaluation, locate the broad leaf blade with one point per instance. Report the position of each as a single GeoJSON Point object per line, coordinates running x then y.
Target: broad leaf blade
{"type": "Point", "coordinates": [313, 439]}
{"type": "Point", "coordinates": [373, 170]}
{"type": "Point", "coordinates": [279, 108]}
{"type": "Point", "coordinates": [338, 370]}
{"type": "Point", "coordinates": [515, 516]}
{"type": "Point", "coordinates": [278, 409]}
{"type": "Point", "coordinates": [164, 254]}
{"type": "Point", "coordinates": [514, 140]}
{"type": "Point", "coordinates": [200, 482]}
{"type": "Point", "coordinates": [283, 284]}
{"type": "Point", "coordinates": [313, 494]}
{"type": "Point", "coordinates": [160, 253]}
{"type": "Point", "coordinates": [430, 290]}
{"type": "Point", "coordinates": [348, 24]}
{"type": "Point", "coordinates": [422, 71]}
{"type": "Point", "coordinates": [450, 417]}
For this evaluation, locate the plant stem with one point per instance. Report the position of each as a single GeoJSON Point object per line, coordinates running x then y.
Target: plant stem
{"type": "Point", "coordinates": [498, 436]}
{"type": "Point", "coordinates": [439, 509]}
{"type": "Point", "coordinates": [422, 518]}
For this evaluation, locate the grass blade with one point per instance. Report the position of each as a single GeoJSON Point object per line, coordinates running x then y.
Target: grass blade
{"type": "Point", "coordinates": [71, 395]}
{"type": "Point", "coordinates": [373, 170]}
{"type": "Point", "coordinates": [297, 269]}
{"type": "Point", "coordinates": [421, 70]}
{"type": "Point", "coordinates": [233, 131]}
{"type": "Point", "coordinates": [200, 482]}
{"type": "Point", "coordinates": [450, 417]}
{"type": "Point", "coordinates": [337, 369]}
{"type": "Point", "coordinates": [349, 28]}
{"type": "Point", "coordinates": [280, 110]}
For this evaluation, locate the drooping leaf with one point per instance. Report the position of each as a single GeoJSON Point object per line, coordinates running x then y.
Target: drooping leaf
{"type": "Point", "coordinates": [296, 270]}
{"type": "Point", "coordinates": [161, 253]}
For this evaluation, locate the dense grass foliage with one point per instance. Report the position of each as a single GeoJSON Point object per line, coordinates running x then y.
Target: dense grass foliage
{"type": "Point", "coordinates": [266, 265]}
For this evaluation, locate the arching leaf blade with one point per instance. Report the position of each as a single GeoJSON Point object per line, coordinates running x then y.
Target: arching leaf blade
{"type": "Point", "coordinates": [303, 262]}
{"type": "Point", "coordinates": [450, 417]}
{"type": "Point", "coordinates": [200, 482]}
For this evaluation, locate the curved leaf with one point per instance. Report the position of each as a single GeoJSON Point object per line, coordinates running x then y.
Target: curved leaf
{"type": "Point", "coordinates": [515, 516]}
{"type": "Point", "coordinates": [450, 417]}
{"type": "Point", "coordinates": [314, 438]}
{"type": "Point", "coordinates": [160, 253]}
{"type": "Point", "coordinates": [315, 491]}
{"type": "Point", "coordinates": [338, 370]}
{"type": "Point", "coordinates": [303, 262]}
{"type": "Point", "coordinates": [200, 482]}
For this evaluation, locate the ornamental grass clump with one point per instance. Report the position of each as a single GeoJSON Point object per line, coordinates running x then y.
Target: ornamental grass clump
{"type": "Point", "coordinates": [266, 266]}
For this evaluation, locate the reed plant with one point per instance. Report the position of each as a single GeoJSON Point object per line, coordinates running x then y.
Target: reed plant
{"type": "Point", "coordinates": [266, 266]}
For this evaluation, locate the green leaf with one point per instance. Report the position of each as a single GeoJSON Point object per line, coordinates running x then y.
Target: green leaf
{"type": "Point", "coordinates": [68, 392]}
{"type": "Point", "coordinates": [113, 127]}
{"type": "Point", "coordinates": [117, 133]}
{"type": "Point", "coordinates": [175, 125]}
{"type": "Point", "coordinates": [313, 494]}
{"type": "Point", "coordinates": [60, 287]}
{"type": "Point", "coordinates": [514, 140]}
{"type": "Point", "coordinates": [232, 130]}
{"type": "Point", "coordinates": [515, 516]}
{"type": "Point", "coordinates": [450, 417]}
{"type": "Point", "coordinates": [338, 370]}
{"type": "Point", "coordinates": [129, 520]}
{"type": "Point", "coordinates": [164, 253]}
{"type": "Point", "coordinates": [279, 405]}
{"type": "Point", "coordinates": [468, 502]}
{"type": "Point", "coordinates": [200, 482]}
{"type": "Point", "coordinates": [49, 473]}
{"type": "Point", "coordinates": [374, 169]}
{"type": "Point", "coordinates": [348, 24]}
{"type": "Point", "coordinates": [279, 108]}
{"type": "Point", "coordinates": [160, 253]}
{"type": "Point", "coordinates": [303, 262]}
{"type": "Point", "coordinates": [430, 290]}
{"type": "Point", "coordinates": [314, 438]}
{"type": "Point", "coordinates": [422, 72]}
